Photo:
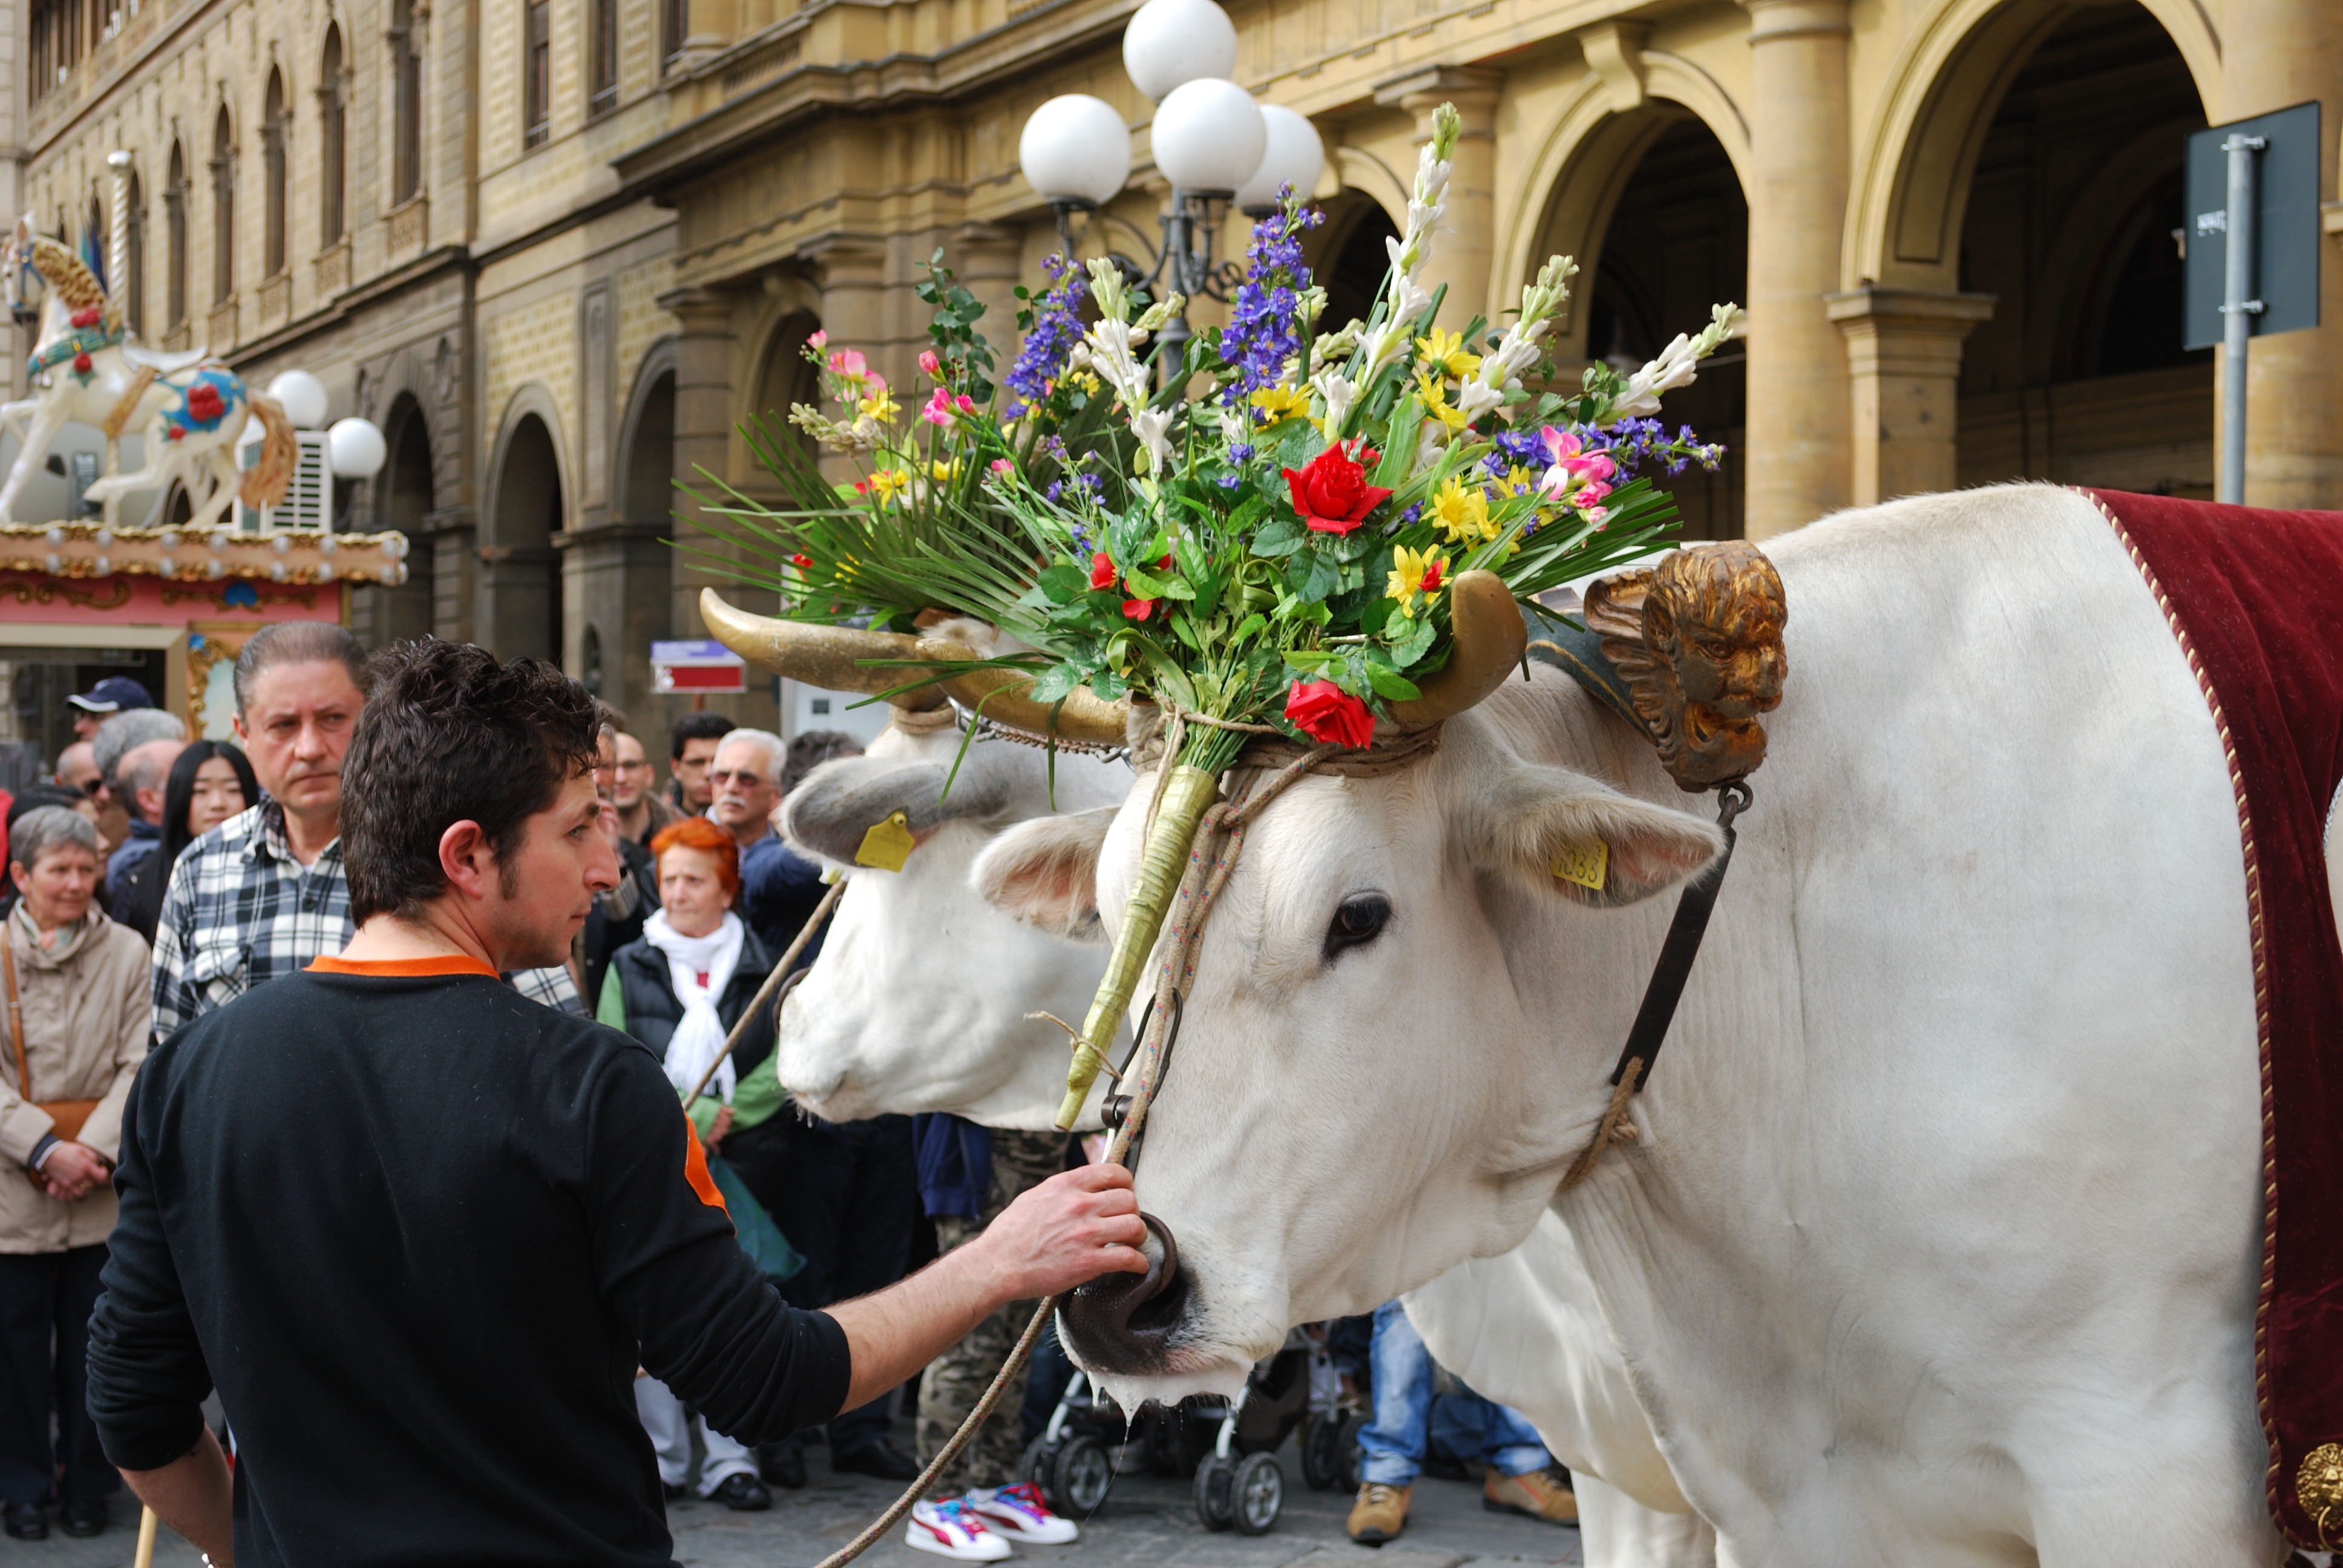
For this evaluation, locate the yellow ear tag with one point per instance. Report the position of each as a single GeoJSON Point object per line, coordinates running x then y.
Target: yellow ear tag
{"type": "Point", "coordinates": [1588, 865]}
{"type": "Point", "coordinates": [887, 845]}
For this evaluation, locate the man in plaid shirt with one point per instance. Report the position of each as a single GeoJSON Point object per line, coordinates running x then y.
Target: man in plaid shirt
{"type": "Point", "coordinates": [263, 893]}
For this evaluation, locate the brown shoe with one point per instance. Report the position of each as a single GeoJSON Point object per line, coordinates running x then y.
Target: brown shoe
{"type": "Point", "coordinates": [1379, 1514]}
{"type": "Point", "coordinates": [1540, 1495]}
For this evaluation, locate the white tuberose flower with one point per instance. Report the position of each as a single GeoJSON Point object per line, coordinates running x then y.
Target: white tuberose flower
{"type": "Point", "coordinates": [1677, 362]}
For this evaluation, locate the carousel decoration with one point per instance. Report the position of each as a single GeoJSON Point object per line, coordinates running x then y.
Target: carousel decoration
{"type": "Point", "coordinates": [1324, 554]}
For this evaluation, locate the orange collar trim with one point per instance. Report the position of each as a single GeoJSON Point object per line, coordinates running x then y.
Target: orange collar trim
{"type": "Point", "coordinates": [403, 968]}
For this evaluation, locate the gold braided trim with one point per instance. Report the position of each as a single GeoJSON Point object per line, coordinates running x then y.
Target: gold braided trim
{"type": "Point", "coordinates": [119, 418]}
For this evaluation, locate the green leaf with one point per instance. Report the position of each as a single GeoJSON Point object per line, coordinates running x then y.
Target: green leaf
{"type": "Point", "coordinates": [1063, 584]}
{"type": "Point", "coordinates": [1310, 659]}
{"type": "Point", "coordinates": [1377, 613]}
{"type": "Point", "coordinates": [1054, 683]}
{"type": "Point", "coordinates": [1411, 641]}
{"type": "Point", "coordinates": [1144, 585]}
{"type": "Point", "coordinates": [1279, 537]}
{"type": "Point", "coordinates": [1176, 587]}
{"type": "Point", "coordinates": [1389, 683]}
{"type": "Point", "coordinates": [1399, 444]}
{"type": "Point", "coordinates": [1252, 625]}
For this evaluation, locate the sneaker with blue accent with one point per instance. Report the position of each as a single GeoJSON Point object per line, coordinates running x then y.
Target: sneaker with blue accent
{"type": "Point", "coordinates": [949, 1529]}
{"type": "Point", "coordinates": [1019, 1513]}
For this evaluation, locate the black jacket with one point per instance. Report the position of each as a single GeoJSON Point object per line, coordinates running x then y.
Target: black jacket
{"type": "Point", "coordinates": [653, 1011]}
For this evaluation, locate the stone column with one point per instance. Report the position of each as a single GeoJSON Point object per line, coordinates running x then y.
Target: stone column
{"type": "Point", "coordinates": [1903, 366]}
{"type": "Point", "coordinates": [850, 270]}
{"type": "Point", "coordinates": [2284, 53]}
{"type": "Point", "coordinates": [704, 374]}
{"type": "Point", "coordinates": [988, 258]}
{"type": "Point", "coordinates": [1797, 444]}
{"type": "Point", "coordinates": [1464, 245]}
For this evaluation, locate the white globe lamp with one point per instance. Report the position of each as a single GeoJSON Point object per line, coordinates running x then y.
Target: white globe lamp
{"type": "Point", "coordinates": [1169, 42]}
{"type": "Point", "coordinates": [1295, 156]}
{"type": "Point", "coordinates": [303, 397]}
{"type": "Point", "coordinates": [1209, 136]}
{"type": "Point", "coordinates": [355, 448]}
{"type": "Point", "coordinates": [1076, 149]}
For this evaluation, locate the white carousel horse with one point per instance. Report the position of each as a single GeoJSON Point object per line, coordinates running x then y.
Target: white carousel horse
{"type": "Point", "coordinates": [189, 408]}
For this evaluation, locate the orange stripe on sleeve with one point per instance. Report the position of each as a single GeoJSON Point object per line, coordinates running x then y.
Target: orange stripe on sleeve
{"type": "Point", "coordinates": [695, 1169]}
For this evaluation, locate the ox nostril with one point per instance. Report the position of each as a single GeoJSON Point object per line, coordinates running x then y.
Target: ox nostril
{"type": "Point", "coordinates": [1125, 1323]}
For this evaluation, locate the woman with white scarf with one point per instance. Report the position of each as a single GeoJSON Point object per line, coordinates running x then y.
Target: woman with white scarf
{"type": "Point", "coordinates": [680, 989]}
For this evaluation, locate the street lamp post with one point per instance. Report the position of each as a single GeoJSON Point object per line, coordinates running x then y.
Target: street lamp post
{"type": "Point", "coordinates": [1210, 140]}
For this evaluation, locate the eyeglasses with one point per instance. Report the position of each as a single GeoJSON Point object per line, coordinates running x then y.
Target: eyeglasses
{"type": "Point", "coordinates": [729, 775]}
{"type": "Point", "coordinates": [643, 767]}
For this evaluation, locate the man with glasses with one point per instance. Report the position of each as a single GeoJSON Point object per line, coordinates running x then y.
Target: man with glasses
{"type": "Point", "coordinates": [778, 888]}
{"type": "Point", "coordinates": [691, 751]}
{"type": "Point", "coordinates": [641, 812]}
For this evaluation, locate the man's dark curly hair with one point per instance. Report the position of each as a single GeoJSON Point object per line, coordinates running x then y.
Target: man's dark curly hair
{"type": "Point", "coordinates": [451, 735]}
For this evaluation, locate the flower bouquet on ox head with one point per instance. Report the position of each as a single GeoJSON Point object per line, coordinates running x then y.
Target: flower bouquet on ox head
{"type": "Point", "coordinates": [1332, 537]}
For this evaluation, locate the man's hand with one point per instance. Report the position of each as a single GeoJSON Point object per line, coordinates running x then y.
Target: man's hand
{"type": "Point", "coordinates": [1070, 1230]}
{"type": "Point", "coordinates": [72, 1171]}
{"type": "Point", "coordinates": [717, 1127]}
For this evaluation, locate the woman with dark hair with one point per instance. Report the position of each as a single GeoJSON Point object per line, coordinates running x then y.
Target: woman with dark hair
{"type": "Point", "coordinates": [210, 783]}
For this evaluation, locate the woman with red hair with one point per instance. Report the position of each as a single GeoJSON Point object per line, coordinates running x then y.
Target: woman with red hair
{"type": "Point", "coordinates": [679, 988]}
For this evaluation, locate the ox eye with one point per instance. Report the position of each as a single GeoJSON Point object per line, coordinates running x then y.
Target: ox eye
{"type": "Point", "coordinates": [1359, 921]}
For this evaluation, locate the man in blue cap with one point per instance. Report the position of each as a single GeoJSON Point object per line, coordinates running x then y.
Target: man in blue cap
{"type": "Point", "coordinates": [115, 694]}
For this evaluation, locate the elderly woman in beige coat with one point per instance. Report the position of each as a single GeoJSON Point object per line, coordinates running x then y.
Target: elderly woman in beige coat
{"type": "Point", "coordinates": [75, 992]}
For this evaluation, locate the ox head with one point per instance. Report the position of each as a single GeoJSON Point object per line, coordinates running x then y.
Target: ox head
{"type": "Point", "coordinates": [1399, 1032]}
{"type": "Point", "coordinates": [919, 998]}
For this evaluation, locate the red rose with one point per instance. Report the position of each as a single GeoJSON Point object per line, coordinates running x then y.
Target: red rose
{"type": "Point", "coordinates": [1102, 571]}
{"type": "Point", "coordinates": [1331, 494]}
{"type": "Point", "coordinates": [1138, 609]}
{"type": "Point", "coordinates": [1323, 710]}
{"type": "Point", "coordinates": [81, 363]}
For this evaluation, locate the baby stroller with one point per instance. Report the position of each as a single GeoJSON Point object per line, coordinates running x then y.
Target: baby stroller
{"type": "Point", "coordinates": [1227, 1447]}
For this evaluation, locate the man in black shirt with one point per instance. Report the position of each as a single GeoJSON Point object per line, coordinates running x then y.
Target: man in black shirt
{"type": "Point", "coordinates": [420, 1232]}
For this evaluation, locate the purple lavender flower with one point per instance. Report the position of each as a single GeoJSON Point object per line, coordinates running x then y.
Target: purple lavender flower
{"type": "Point", "coordinates": [1517, 448]}
{"type": "Point", "coordinates": [1265, 325]}
{"type": "Point", "coordinates": [1240, 452]}
{"type": "Point", "coordinates": [1057, 327]}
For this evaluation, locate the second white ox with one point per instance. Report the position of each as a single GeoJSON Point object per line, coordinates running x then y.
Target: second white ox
{"type": "Point", "coordinates": [1939, 1243]}
{"type": "Point", "coordinates": [918, 1002]}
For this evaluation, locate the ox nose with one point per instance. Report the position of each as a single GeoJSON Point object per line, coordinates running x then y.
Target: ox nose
{"type": "Point", "coordinates": [1125, 1323]}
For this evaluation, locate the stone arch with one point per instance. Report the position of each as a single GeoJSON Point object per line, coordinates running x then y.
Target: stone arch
{"type": "Point", "coordinates": [1584, 161]}
{"type": "Point", "coordinates": [520, 597]}
{"type": "Point", "coordinates": [1364, 172]}
{"type": "Point", "coordinates": [1909, 183]}
{"type": "Point", "coordinates": [646, 439]}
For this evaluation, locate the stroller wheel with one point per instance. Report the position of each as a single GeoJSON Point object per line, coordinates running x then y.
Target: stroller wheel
{"type": "Point", "coordinates": [1038, 1463]}
{"type": "Point", "coordinates": [1322, 1455]}
{"type": "Point", "coordinates": [1215, 1489]}
{"type": "Point", "coordinates": [1080, 1476]}
{"type": "Point", "coordinates": [1347, 1450]}
{"type": "Point", "coordinates": [1258, 1492]}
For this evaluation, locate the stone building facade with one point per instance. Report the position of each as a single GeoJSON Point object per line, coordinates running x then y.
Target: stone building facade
{"type": "Point", "coordinates": [1952, 221]}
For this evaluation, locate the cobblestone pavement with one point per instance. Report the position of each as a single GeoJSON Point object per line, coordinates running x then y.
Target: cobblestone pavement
{"type": "Point", "coordinates": [1146, 1523]}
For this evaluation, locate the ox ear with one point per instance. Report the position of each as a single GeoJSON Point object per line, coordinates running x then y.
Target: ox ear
{"type": "Point", "coordinates": [1045, 872]}
{"type": "Point", "coordinates": [836, 804]}
{"type": "Point", "coordinates": [1583, 839]}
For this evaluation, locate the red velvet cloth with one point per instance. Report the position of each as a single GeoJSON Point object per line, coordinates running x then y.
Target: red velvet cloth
{"type": "Point", "coordinates": [2255, 600]}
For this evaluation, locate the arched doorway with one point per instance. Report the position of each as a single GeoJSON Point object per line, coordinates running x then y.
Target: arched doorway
{"type": "Point", "coordinates": [1351, 260]}
{"type": "Point", "coordinates": [2071, 222]}
{"type": "Point", "coordinates": [1677, 242]}
{"type": "Point", "coordinates": [647, 486]}
{"type": "Point", "coordinates": [520, 585]}
{"type": "Point", "coordinates": [405, 501]}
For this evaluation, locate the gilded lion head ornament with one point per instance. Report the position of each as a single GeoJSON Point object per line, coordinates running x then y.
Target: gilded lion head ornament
{"type": "Point", "coordinates": [1697, 638]}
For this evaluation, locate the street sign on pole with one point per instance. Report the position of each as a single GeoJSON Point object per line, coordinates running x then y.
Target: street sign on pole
{"type": "Point", "coordinates": [697, 666]}
{"type": "Point", "coordinates": [2252, 250]}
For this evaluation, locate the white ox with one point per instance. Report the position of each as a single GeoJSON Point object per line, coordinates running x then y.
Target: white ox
{"type": "Point", "coordinates": [919, 1001]}
{"type": "Point", "coordinates": [1939, 1242]}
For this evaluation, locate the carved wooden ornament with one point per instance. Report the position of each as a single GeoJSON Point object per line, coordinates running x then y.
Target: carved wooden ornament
{"type": "Point", "coordinates": [1697, 638]}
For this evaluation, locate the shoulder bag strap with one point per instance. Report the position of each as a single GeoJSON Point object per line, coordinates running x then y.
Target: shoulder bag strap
{"type": "Point", "coordinates": [16, 1017]}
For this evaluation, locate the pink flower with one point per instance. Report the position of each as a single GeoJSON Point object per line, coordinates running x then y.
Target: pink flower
{"type": "Point", "coordinates": [850, 363]}
{"type": "Point", "coordinates": [819, 341]}
{"type": "Point", "coordinates": [929, 363]}
{"type": "Point", "coordinates": [1574, 466]}
{"type": "Point", "coordinates": [944, 409]}
{"type": "Point", "coordinates": [1001, 465]}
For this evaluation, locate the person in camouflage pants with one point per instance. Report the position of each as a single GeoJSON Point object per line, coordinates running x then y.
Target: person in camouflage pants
{"type": "Point", "coordinates": [956, 1380]}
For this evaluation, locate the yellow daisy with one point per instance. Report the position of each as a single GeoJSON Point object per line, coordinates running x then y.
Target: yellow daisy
{"type": "Point", "coordinates": [1462, 512]}
{"type": "Point", "coordinates": [1445, 352]}
{"type": "Point", "coordinates": [1275, 402]}
{"type": "Point", "coordinates": [1435, 400]}
{"type": "Point", "coordinates": [1415, 572]}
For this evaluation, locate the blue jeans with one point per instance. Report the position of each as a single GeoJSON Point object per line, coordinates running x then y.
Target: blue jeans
{"type": "Point", "coordinates": [1392, 1447]}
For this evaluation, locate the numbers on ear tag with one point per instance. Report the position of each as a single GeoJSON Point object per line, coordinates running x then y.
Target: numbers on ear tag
{"type": "Point", "coordinates": [1588, 865]}
{"type": "Point", "coordinates": [887, 845]}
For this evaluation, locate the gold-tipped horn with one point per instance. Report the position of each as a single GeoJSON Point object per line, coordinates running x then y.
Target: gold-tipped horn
{"type": "Point", "coordinates": [1083, 720]}
{"type": "Point", "coordinates": [1490, 641]}
{"type": "Point", "coordinates": [832, 657]}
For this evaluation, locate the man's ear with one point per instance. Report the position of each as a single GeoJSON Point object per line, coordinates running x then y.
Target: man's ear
{"type": "Point", "coordinates": [1045, 872]}
{"type": "Point", "coordinates": [468, 860]}
{"type": "Point", "coordinates": [1579, 838]}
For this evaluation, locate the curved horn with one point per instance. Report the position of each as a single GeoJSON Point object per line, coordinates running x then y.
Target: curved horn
{"type": "Point", "coordinates": [1490, 642]}
{"type": "Point", "coordinates": [826, 656]}
{"type": "Point", "coordinates": [1084, 719]}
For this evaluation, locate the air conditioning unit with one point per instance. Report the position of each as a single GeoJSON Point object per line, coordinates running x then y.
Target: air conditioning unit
{"type": "Point", "coordinates": [308, 500]}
